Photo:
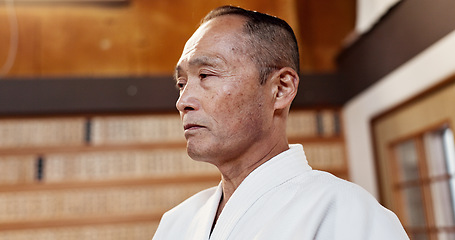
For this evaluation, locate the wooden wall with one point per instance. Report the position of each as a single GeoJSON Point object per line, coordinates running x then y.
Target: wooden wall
{"type": "Point", "coordinates": [145, 37]}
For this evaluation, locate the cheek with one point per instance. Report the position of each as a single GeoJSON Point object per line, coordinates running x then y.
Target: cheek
{"type": "Point", "coordinates": [235, 100]}
{"type": "Point", "coordinates": [226, 90]}
{"type": "Point", "coordinates": [239, 109]}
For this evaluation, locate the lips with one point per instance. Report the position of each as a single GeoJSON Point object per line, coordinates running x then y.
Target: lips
{"type": "Point", "coordinates": [192, 126]}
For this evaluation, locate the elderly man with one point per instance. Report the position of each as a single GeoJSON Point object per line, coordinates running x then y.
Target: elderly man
{"type": "Point", "coordinates": [237, 77]}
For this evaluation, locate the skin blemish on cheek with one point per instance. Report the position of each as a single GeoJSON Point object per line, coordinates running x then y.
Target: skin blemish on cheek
{"type": "Point", "coordinates": [227, 90]}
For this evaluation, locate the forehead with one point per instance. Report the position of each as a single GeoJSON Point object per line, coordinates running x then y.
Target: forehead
{"type": "Point", "coordinates": [220, 26]}
{"type": "Point", "coordinates": [215, 40]}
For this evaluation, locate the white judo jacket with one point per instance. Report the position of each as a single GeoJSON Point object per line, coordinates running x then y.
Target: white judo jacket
{"type": "Point", "coordinates": [283, 199]}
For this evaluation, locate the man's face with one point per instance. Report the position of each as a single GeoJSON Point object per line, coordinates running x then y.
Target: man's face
{"type": "Point", "coordinates": [222, 104]}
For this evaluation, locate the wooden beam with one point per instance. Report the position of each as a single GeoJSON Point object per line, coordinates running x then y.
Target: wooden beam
{"type": "Point", "coordinates": [319, 91]}
{"type": "Point", "coordinates": [81, 222]}
{"type": "Point", "coordinates": [406, 30]}
{"type": "Point", "coordinates": [105, 184]}
{"type": "Point", "coordinates": [25, 97]}
{"type": "Point", "coordinates": [128, 95]}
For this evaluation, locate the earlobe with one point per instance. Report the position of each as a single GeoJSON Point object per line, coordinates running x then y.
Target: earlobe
{"type": "Point", "coordinates": [286, 82]}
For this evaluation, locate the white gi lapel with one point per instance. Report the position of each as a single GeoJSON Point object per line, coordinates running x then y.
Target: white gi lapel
{"type": "Point", "coordinates": [202, 222]}
{"type": "Point", "coordinates": [266, 177]}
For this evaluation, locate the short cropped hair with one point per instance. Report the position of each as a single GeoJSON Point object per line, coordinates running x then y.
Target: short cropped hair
{"type": "Point", "coordinates": [272, 41]}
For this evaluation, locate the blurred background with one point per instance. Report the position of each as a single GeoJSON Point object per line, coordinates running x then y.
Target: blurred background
{"type": "Point", "coordinates": [91, 145]}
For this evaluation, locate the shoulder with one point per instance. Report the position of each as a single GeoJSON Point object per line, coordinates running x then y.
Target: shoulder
{"type": "Point", "coordinates": [347, 204]}
{"type": "Point", "coordinates": [338, 192]}
{"type": "Point", "coordinates": [340, 188]}
{"type": "Point", "coordinates": [324, 183]}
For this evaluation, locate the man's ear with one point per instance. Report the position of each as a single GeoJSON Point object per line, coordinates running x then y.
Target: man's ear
{"type": "Point", "coordinates": [285, 84]}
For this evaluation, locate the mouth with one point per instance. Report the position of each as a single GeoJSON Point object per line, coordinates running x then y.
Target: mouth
{"type": "Point", "coordinates": [191, 126]}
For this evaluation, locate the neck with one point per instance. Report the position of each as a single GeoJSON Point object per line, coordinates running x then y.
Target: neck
{"type": "Point", "coordinates": [234, 172]}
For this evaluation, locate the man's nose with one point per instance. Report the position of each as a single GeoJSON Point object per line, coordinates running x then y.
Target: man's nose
{"type": "Point", "coordinates": [188, 99]}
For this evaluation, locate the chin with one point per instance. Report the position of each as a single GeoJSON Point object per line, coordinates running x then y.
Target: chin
{"type": "Point", "coordinates": [201, 154]}
{"type": "Point", "coordinates": [194, 152]}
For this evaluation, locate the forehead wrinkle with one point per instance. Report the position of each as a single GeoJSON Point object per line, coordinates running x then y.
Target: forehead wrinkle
{"type": "Point", "coordinates": [205, 60]}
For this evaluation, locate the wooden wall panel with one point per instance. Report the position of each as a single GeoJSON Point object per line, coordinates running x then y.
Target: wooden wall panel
{"type": "Point", "coordinates": [140, 38]}
{"type": "Point", "coordinates": [146, 37]}
{"type": "Point", "coordinates": [4, 35]}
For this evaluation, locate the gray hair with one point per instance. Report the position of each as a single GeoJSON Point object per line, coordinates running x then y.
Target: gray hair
{"type": "Point", "coordinates": [272, 42]}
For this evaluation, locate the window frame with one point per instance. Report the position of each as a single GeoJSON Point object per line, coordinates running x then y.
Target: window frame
{"type": "Point", "coordinates": [424, 182]}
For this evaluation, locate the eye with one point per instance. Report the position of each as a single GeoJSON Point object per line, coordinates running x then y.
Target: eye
{"type": "Point", "coordinates": [203, 75]}
{"type": "Point", "coordinates": [180, 85]}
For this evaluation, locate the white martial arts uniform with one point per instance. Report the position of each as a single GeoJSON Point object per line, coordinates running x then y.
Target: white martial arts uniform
{"type": "Point", "coordinates": [283, 199]}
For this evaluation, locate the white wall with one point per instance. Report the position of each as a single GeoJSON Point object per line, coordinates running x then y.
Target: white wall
{"type": "Point", "coordinates": [425, 70]}
{"type": "Point", "coordinates": [370, 11]}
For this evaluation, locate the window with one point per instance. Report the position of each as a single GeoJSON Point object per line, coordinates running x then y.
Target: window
{"type": "Point", "coordinates": [425, 184]}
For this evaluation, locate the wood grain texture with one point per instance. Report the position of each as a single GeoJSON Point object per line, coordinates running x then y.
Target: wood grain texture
{"type": "Point", "coordinates": [146, 37]}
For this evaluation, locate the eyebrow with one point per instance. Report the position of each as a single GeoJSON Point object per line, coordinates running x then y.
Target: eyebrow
{"type": "Point", "coordinates": [177, 71]}
{"type": "Point", "coordinates": [210, 61]}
